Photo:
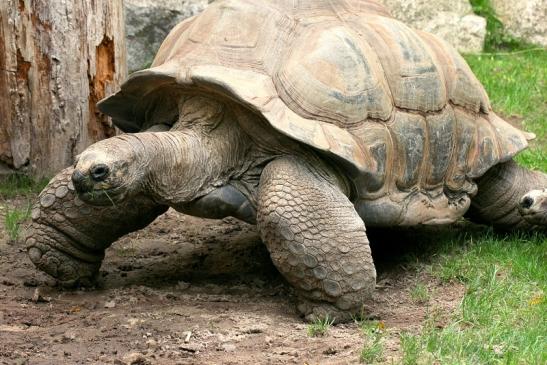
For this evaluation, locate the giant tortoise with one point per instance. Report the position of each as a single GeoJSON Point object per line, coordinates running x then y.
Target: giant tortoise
{"type": "Point", "coordinates": [309, 118]}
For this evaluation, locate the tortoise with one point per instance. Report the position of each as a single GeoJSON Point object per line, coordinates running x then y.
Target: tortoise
{"type": "Point", "coordinates": [309, 118]}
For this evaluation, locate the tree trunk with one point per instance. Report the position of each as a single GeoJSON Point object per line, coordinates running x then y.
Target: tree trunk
{"type": "Point", "coordinates": [57, 59]}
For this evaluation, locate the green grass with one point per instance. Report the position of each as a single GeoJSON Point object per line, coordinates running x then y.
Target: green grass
{"type": "Point", "coordinates": [502, 316]}
{"type": "Point", "coordinates": [514, 74]}
{"type": "Point", "coordinates": [501, 319]}
{"type": "Point", "coordinates": [419, 293]}
{"type": "Point", "coordinates": [517, 86]}
{"type": "Point", "coordinates": [15, 185]}
{"type": "Point", "coordinates": [319, 327]}
{"type": "Point", "coordinates": [373, 349]}
{"type": "Point", "coordinates": [13, 220]}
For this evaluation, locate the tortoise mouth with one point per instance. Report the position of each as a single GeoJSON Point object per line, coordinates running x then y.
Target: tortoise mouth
{"type": "Point", "coordinates": [103, 196]}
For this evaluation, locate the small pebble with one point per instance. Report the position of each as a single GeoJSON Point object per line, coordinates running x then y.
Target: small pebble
{"type": "Point", "coordinates": [228, 347]}
{"type": "Point", "coordinates": [38, 298]}
{"type": "Point", "coordinates": [182, 285]}
{"type": "Point", "coordinates": [110, 304]}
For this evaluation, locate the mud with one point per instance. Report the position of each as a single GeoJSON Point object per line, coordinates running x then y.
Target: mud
{"type": "Point", "coordinates": [194, 291]}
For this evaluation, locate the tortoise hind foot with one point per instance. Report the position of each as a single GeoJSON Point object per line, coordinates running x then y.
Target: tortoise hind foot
{"type": "Point", "coordinates": [533, 207]}
{"type": "Point", "coordinates": [316, 239]}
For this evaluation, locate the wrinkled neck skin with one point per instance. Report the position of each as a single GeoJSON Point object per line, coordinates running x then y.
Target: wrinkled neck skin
{"type": "Point", "coordinates": [212, 157]}
{"type": "Point", "coordinates": [190, 161]}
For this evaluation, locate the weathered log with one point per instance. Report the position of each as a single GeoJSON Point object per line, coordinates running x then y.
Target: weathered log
{"type": "Point", "coordinates": [57, 59]}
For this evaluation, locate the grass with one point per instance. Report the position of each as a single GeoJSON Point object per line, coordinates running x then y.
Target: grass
{"type": "Point", "coordinates": [373, 348]}
{"type": "Point", "coordinates": [15, 185]}
{"type": "Point", "coordinates": [517, 86]}
{"type": "Point", "coordinates": [13, 220]}
{"type": "Point", "coordinates": [501, 318]}
{"type": "Point", "coordinates": [319, 327]}
{"type": "Point", "coordinates": [515, 77]}
{"type": "Point", "coordinates": [419, 294]}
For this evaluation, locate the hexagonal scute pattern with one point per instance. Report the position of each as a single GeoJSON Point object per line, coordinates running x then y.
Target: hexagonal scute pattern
{"type": "Point", "coordinates": [315, 238]}
{"type": "Point", "coordinates": [67, 237]}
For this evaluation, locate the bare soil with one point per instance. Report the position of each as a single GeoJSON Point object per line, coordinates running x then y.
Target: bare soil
{"type": "Point", "coordinates": [169, 295]}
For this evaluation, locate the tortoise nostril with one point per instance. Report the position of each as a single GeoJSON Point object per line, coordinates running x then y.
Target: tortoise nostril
{"type": "Point", "coordinates": [527, 202]}
{"type": "Point", "coordinates": [78, 179]}
{"type": "Point", "coordinates": [99, 172]}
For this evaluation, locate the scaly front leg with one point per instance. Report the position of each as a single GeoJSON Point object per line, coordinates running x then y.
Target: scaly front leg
{"type": "Point", "coordinates": [316, 239]}
{"type": "Point", "coordinates": [67, 237]}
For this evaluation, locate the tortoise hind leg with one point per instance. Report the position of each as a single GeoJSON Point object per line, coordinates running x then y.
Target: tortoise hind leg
{"type": "Point", "coordinates": [511, 197]}
{"type": "Point", "coordinates": [316, 239]}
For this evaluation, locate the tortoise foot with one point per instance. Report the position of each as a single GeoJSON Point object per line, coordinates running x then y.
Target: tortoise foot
{"type": "Point", "coordinates": [321, 311]}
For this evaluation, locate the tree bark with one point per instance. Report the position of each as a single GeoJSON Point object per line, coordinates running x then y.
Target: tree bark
{"type": "Point", "coordinates": [57, 59]}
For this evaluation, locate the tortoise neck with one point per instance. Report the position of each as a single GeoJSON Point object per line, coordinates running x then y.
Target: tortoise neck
{"type": "Point", "coordinates": [183, 165]}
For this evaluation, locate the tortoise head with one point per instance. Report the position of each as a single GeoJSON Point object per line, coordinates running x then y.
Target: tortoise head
{"type": "Point", "coordinates": [533, 207]}
{"type": "Point", "coordinates": [109, 171]}
{"type": "Point", "coordinates": [203, 149]}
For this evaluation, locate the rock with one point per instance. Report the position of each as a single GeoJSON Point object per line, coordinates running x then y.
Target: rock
{"type": "Point", "coordinates": [452, 20]}
{"type": "Point", "coordinates": [525, 19]}
{"type": "Point", "coordinates": [149, 21]}
{"type": "Point", "coordinates": [228, 347]}
{"type": "Point", "coordinates": [191, 348]}
{"type": "Point", "coordinates": [147, 24]}
{"type": "Point", "coordinates": [187, 336]}
{"type": "Point", "coordinates": [68, 337]}
{"type": "Point", "coordinates": [152, 344]}
{"type": "Point", "coordinates": [38, 298]}
{"type": "Point", "coordinates": [110, 304]}
{"type": "Point", "coordinates": [182, 285]}
{"type": "Point", "coordinates": [31, 282]}
{"type": "Point", "coordinates": [135, 358]}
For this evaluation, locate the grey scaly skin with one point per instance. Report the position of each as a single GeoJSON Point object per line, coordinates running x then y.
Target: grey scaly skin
{"type": "Point", "coordinates": [316, 238]}
{"type": "Point", "coordinates": [511, 197]}
{"type": "Point", "coordinates": [67, 237]}
{"type": "Point", "coordinates": [208, 165]}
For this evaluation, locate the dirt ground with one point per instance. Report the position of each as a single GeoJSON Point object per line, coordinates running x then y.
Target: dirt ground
{"type": "Point", "coordinates": [169, 295]}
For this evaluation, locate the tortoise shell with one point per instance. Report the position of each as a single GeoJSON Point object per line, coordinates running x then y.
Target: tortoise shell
{"type": "Point", "coordinates": [399, 108]}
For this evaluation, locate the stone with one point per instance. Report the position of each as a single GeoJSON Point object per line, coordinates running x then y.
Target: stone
{"type": "Point", "coordinates": [135, 358]}
{"type": "Point", "coordinates": [110, 304]}
{"type": "Point", "coordinates": [152, 344]}
{"type": "Point", "coordinates": [228, 347]}
{"type": "Point", "coordinates": [147, 23]}
{"type": "Point", "coordinates": [524, 19]}
{"type": "Point", "coordinates": [451, 20]}
{"type": "Point", "coordinates": [182, 285]}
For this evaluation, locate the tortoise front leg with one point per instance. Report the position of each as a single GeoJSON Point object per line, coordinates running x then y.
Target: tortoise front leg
{"type": "Point", "coordinates": [316, 239]}
{"type": "Point", "coordinates": [67, 237]}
